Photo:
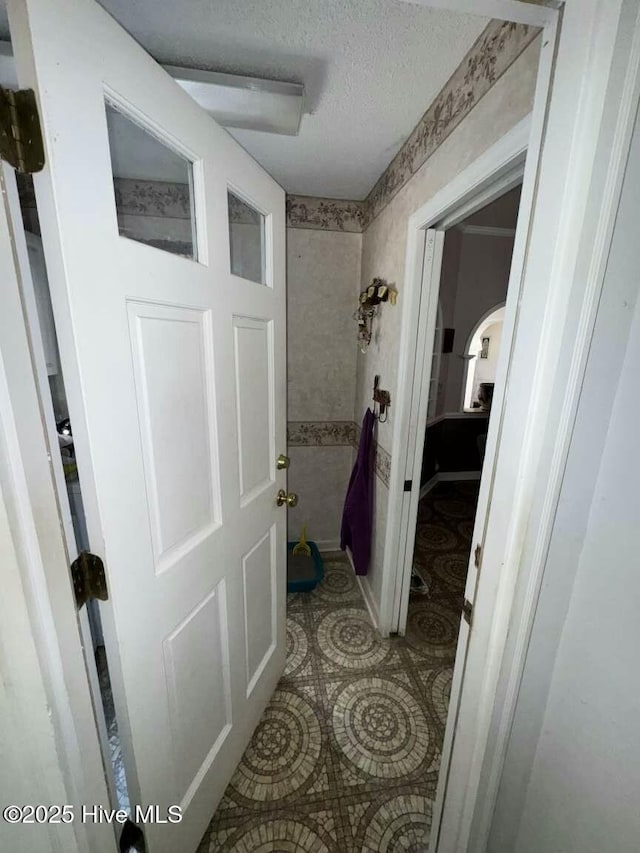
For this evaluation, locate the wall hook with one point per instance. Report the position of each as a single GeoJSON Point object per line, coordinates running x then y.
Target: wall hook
{"type": "Point", "coordinates": [382, 399]}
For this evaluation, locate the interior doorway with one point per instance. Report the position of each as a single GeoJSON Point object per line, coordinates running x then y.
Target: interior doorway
{"type": "Point", "coordinates": [473, 285]}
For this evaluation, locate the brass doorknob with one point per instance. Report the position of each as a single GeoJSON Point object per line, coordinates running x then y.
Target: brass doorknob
{"type": "Point", "coordinates": [282, 462]}
{"type": "Point", "coordinates": [284, 498]}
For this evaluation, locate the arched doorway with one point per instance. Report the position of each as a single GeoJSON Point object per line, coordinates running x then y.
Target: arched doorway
{"type": "Point", "coordinates": [481, 353]}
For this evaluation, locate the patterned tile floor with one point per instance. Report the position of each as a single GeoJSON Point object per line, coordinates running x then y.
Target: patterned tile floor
{"type": "Point", "coordinates": [346, 756]}
{"type": "Point", "coordinates": [441, 553]}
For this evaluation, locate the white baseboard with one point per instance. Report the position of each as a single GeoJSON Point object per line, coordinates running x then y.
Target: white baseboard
{"type": "Point", "coordinates": [330, 548]}
{"type": "Point", "coordinates": [448, 477]}
{"type": "Point", "coordinates": [369, 600]}
{"type": "Point", "coordinates": [367, 594]}
{"type": "Point", "coordinates": [424, 490]}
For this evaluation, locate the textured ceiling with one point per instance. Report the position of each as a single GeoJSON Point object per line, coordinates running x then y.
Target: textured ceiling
{"type": "Point", "coordinates": [370, 69]}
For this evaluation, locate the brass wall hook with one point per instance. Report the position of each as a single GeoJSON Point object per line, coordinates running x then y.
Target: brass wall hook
{"type": "Point", "coordinates": [382, 399]}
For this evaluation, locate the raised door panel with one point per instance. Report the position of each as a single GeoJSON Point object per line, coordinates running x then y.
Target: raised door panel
{"type": "Point", "coordinates": [259, 579]}
{"type": "Point", "coordinates": [196, 659]}
{"type": "Point", "coordinates": [253, 360]}
{"type": "Point", "coordinates": [175, 399]}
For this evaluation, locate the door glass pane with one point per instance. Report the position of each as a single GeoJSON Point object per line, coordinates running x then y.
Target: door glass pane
{"type": "Point", "coordinates": [153, 188]}
{"type": "Point", "coordinates": [246, 240]}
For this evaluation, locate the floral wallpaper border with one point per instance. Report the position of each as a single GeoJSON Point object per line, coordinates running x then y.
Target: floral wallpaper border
{"type": "Point", "coordinates": [496, 49]}
{"type": "Point", "coordinates": [336, 434]}
{"type": "Point", "coordinates": [383, 464]}
{"type": "Point", "coordinates": [164, 199]}
{"type": "Point", "coordinates": [152, 198]}
{"type": "Point", "coordinates": [320, 433]}
{"type": "Point", "coordinates": [326, 214]}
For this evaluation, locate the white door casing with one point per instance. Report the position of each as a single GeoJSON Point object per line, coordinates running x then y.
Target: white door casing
{"type": "Point", "coordinates": [175, 373]}
{"type": "Point", "coordinates": [36, 314]}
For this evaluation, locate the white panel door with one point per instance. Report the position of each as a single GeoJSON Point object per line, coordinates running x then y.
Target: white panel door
{"type": "Point", "coordinates": [165, 250]}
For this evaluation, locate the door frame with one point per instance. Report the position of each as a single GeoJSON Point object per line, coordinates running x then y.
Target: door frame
{"type": "Point", "coordinates": [586, 99]}
{"type": "Point", "coordinates": [44, 593]}
{"type": "Point", "coordinates": [496, 172]}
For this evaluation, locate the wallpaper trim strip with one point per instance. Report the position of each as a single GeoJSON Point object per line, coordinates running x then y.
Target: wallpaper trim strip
{"type": "Point", "coordinates": [496, 49]}
{"type": "Point", "coordinates": [326, 214]}
{"type": "Point", "coordinates": [163, 199]}
{"type": "Point", "coordinates": [336, 434]}
{"type": "Point", "coordinates": [320, 433]}
{"type": "Point", "coordinates": [382, 457]}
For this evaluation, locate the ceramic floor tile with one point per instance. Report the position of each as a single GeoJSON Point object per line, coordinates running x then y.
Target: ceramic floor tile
{"type": "Point", "coordinates": [347, 754]}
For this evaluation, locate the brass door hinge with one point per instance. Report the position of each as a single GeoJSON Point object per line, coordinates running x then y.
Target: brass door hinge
{"type": "Point", "coordinates": [20, 135]}
{"type": "Point", "coordinates": [89, 579]}
{"type": "Point", "coordinates": [477, 555]}
{"type": "Point", "coordinates": [467, 611]}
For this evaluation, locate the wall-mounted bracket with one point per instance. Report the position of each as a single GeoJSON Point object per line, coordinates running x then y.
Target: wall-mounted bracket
{"type": "Point", "coordinates": [382, 399]}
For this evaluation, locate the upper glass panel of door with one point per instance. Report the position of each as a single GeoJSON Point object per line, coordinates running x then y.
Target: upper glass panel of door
{"type": "Point", "coordinates": [153, 187]}
{"type": "Point", "coordinates": [246, 240]}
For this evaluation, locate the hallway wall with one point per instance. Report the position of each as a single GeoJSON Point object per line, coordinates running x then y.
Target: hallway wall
{"type": "Point", "coordinates": [323, 272]}
{"type": "Point", "coordinates": [337, 246]}
{"type": "Point", "coordinates": [384, 247]}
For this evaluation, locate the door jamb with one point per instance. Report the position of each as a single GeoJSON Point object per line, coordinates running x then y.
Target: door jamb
{"type": "Point", "coordinates": [595, 94]}
{"type": "Point", "coordinates": [494, 173]}
{"type": "Point", "coordinates": [46, 580]}
{"type": "Point", "coordinates": [516, 156]}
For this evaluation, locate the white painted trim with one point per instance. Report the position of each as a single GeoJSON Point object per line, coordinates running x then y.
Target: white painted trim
{"type": "Point", "coordinates": [511, 178]}
{"type": "Point", "coordinates": [593, 104]}
{"type": "Point", "coordinates": [28, 489]}
{"type": "Point", "coordinates": [498, 170]}
{"type": "Point", "coordinates": [481, 182]}
{"type": "Point", "coordinates": [23, 239]}
{"type": "Point", "coordinates": [459, 789]}
{"type": "Point", "coordinates": [487, 230]}
{"type": "Point", "coordinates": [448, 477]}
{"type": "Point", "coordinates": [32, 763]}
{"type": "Point", "coordinates": [367, 594]}
{"type": "Point", "coordinates": [603, 210]}
{"type": "Point", "coordinates": [369, 599]}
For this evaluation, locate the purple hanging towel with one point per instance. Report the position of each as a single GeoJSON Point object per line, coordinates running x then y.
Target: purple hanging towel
{"type": "Point", "coordinates": [357, 515]}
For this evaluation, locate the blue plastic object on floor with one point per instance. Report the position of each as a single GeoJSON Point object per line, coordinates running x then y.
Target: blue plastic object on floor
{"type": "Point", "coordinates": [303, 573]}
